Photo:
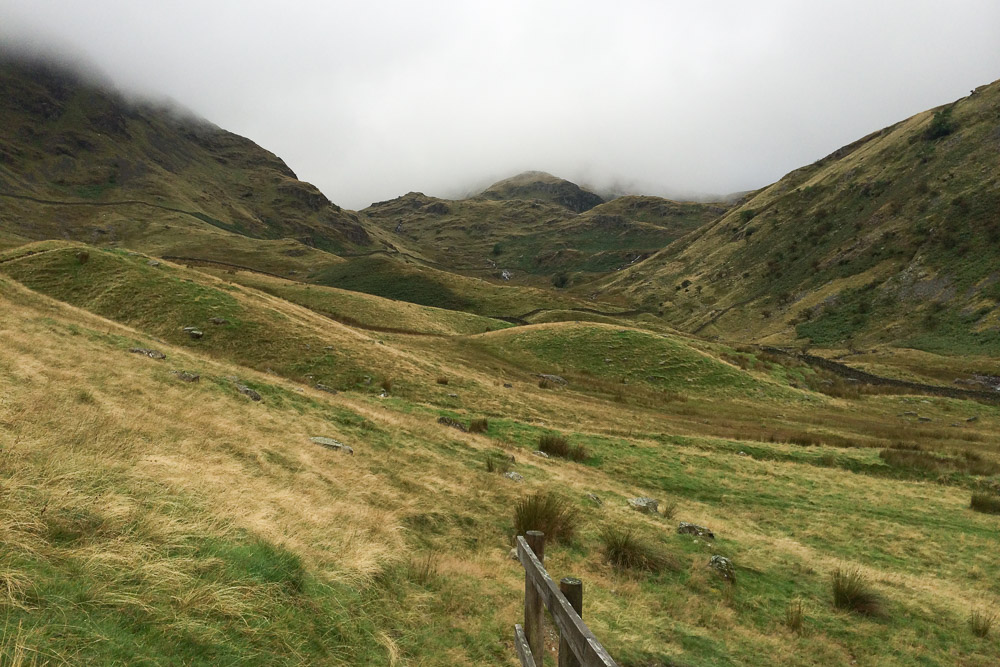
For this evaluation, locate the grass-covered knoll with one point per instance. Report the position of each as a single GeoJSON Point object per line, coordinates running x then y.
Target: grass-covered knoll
{"type": "Point", "coordinates": [367, 311]}
{"type": "Point", "coordinates": [237, 324]}
{"type": "Point", "coordinates": [143, 507]}
{"type": "Point", "coordinates": [393, 279]}
{"type": "Point", "coordinates": [592, 351]}
{"type": "Point", "coordinates": [891, 239]}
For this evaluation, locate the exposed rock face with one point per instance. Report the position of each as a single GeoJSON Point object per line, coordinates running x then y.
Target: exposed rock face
{"type": "Point", "coordinates": [248, 392]}
{"type": "Point", "coordinates": [723, 567]}
{"type": "Point", "coordinates": [330, 443]}
{"type": "Point", "coordinates": [686, 528]}
{"type": "Point", "coordinates": [448, 421]}
{"type": "Point", "coordinates": [644, 505]}
{"type": "Point", "coordinates": [152, 354]}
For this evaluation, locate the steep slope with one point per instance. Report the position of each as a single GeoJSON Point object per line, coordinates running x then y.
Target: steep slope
{"type": "Point", "coordinates": [894, 238]}
{"type": "Point", "coordinates": [80, 161]}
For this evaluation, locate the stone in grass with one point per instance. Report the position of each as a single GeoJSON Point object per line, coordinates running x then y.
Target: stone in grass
{"type": "Point", "coordinates": [686, 528]}
{"type": "Point", "coordinates": [644, 505]}
{"type": "Point", "coordinates": [539, 452]}
{"type": "Point", "coordinates": [218, 321]}
{"type": "Point", "coordinates": [323, 387]}
{"type": "Point", "coordinates": [248, 392]}
{"type": "Point", "coordinates": [723, 567]}
{"type": "Point", "coordinates": [557, 379]}
{"type": "Point", "coordinates": [513, 476]}
{"type": "Point", "coordinates": [594, 497]}
{"type": "Point", "coordinates": [152, 354]}
{"type": "Point", "coordinates": [330, 443]}
{"type": "Point", "coordinates": [194, 332]}
{"type": "Point", "coordinates": [448, 421]}
{"type": "Point", "coordinates": [186, 376]}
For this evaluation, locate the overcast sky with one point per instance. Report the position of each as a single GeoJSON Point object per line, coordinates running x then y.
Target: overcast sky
{"type": "Point", "coordinates": [369, 100]}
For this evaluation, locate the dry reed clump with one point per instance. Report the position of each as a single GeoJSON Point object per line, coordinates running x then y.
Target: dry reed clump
{"type": "Point", "coordinates": [853, 592]}
{"type": "Point", "coordinates": [480, 425]}
{"type": "Point", "coordinates": [981, 623]}
{"type": "Point", "coordinates": [987, 503]}
{"type": "Point", "coordinates": [794, 615]}
{"type": "Point", "coordinates": [558, 445]}
{"type": "Point", "coordinates": [625, 551]}
{"type": "Point", "coordinates": [547, 512]}
{"type": "Point", "coordinates": [498, 462]}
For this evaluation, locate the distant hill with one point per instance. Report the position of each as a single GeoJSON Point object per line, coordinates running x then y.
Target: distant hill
{"type": "Point", "coordinates": [535, 239]}
{"type": "Point", "coordinates": [546, 187]}
{"type": "Point", "coordinates": [893, 238]}
{"type": "Point", "coordinates": [80, 161]}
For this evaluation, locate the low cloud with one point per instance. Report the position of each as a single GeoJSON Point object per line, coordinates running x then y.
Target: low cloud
{"type": "Point", "coordinates": [371, 100]}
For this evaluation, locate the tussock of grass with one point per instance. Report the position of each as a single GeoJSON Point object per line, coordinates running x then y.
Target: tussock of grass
{"type": "Point", "coordinates": [853, 592]}
{"type": "Point", "coordinates": [981, 623]}
{"type": "Point", "coordinates": [794, 615]}
{"type": "Point", "coordinates": [479, 425]}
{"type": "Point", "coordinates": [987, 503]}
{"type": "Point", "coordinates": [624, 550]}
{"type": "Point", "coordinates": [558, 445]}
{"type": "Point", "coordinates": [498, 462]}
{"type": "Point", "coordinates": [547, 512]}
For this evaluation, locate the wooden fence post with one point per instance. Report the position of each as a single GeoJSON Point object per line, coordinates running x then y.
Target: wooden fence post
{"type": "Point", "coordinates": [572, 588]}
{"type": "Point", "coordinates": [533, 612]}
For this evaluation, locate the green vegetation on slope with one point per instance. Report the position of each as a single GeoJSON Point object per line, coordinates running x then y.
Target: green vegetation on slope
{"type": "Point", "coordinates": [892, 239]}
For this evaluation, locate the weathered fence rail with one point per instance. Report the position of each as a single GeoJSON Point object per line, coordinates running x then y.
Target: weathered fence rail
{"type": "Point", "coordinates": [578, 647]}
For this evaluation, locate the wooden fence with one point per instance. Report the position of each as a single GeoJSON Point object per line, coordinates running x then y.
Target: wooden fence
{"type": "Point", "coordinates": [578, 647]}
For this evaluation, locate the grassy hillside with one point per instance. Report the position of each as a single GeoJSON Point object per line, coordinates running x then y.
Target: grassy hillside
{"type": "Point", "coordinates": [71, 145]}
{"type": "Point", "coordinates": [537, 241]}
{"type": "Point", "coordinates": [538, 185]}
{"type": "Point", "coordinates": [893, 238]}
{"type": "Point", "coordinates": [147, 518]}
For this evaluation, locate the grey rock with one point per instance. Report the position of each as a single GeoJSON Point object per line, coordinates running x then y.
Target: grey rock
{"type": "Point", "coordinates": [644, 505]}
{"type": "Point", "coordinates": [453, 423]}
{"type": "Point", "coordinates": [558, 379]}
{"type": "Point", "coordinates": [219, 321]}
{"type": "Point", "coordinates": [924, 419]}
{"type": "Point", "coordinates": [152, 354]}
{"type": "Point", "coordinates": [195, 333]}
{"type": "Point", "coordinates": [972, 419]}
{"type": "Point", "coordinates": [539, 452]}
{"type": "Point", "coordinates": [686, 528]}
{"type": "Point", "coordinates": [248, 392]}
{"type": "Point", "coordinates": [330, 443]}
{"type": "Point", "coordinates": [323, 387]}
{"type": "Point", "coordinates": [452, 395]}
{"type": "Point", "coordinates": [153, 262]}
{"type": "Point", "coordinates": [723, 567]}
{"type": "Point", "coordinates": [513, 476]}
{"type": "Point", "coordinates": [512, 554]}
{"type": "Point", "coordinates": [594, 497]}
{"type": "Point", "coordinates": [187, 377]}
